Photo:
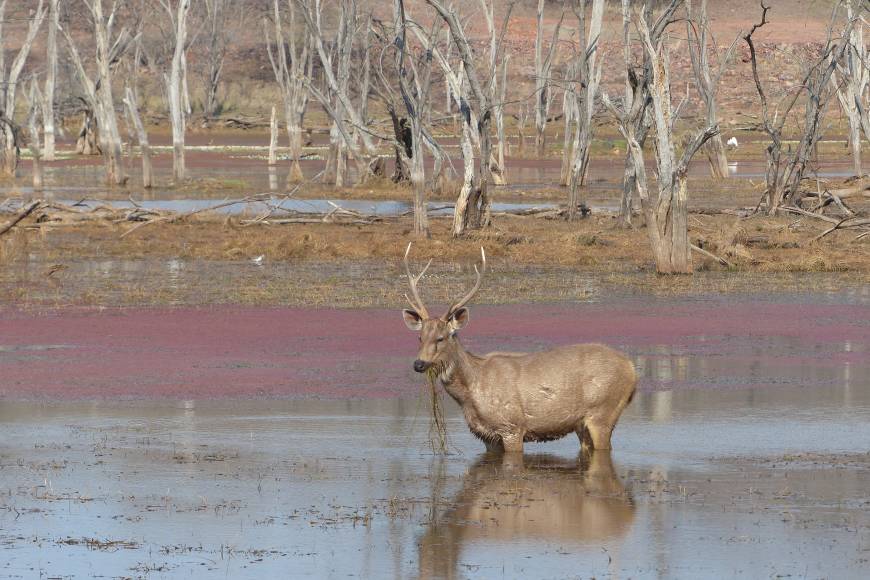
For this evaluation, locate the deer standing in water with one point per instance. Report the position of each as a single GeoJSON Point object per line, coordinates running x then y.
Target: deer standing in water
{"type": "Point", "coordinates": [509, 398]}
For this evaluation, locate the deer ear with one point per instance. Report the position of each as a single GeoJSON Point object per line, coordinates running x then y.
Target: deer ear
{"type": "Point", "coordinates": [458, 319]}
{"type": "Point", "coordinates": [412, 320]}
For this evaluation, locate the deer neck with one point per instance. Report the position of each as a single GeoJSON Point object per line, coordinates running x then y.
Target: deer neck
{"type": "Point", "coordinates": [459, 373]}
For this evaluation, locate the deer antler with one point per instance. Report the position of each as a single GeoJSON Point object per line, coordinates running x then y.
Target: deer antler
{"type": "Point", "coordinates": [457, 305]}
{"type": "Point", "coordinates": [412, 280]}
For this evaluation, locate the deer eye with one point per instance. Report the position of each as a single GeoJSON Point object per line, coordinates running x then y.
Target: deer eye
{"type": "Point", "coordinates": [439, 339]}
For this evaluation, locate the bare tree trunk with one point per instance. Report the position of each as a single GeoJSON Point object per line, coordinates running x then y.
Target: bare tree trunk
{"type": "Point", "coordinates": [414, 85]}
{"type": "Point", "coordinates": [50, 81]}
{"type": "Point", "coordinates": [522, 119]}
{"type": "Point", "coordinates": [99, 94]}
{"type": "Point", "coordinates": [273, 137]}
{"type": "Point", "coordinates": [460, 210]}
{"type": "Point", "coordinates": [8, 83]}
{"type": "Point", "coordinates": [590, 73]}
{"type": "Point", "coordinates": [33, 142]}
{"type": "Point", "coordinates": [88, 140]}
{"type": "Point", "coordinates": [698, 31]}
{"type": "Point", "coordinates": [221, 27]}
{"type": "Point", "coordinates": [667, 215]}
{"type": "Point", "coordinates": [499, 177]}
{"type": "Point", "coordinates": [132, 105]}
{"type": "Point", "coordinates": [496, 169]}
{"type": "Point", "coordinates": [570, 115]}
{"type": "Point", "coordinates": [292, 64]}
{"type": "Point", "coordinates": [478, 208]}
{"type": "Point", "coordinates": [176, 88]}
{"type": "Point", "coordinates": [542, 76]}
{"type": "Point", "coordinates": [850, 80]}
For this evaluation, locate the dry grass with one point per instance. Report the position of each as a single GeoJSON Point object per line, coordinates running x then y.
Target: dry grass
{"type": "Point", "coordinates": [532, 259]}
{"type": "Point", "coordinates": [595, 242]}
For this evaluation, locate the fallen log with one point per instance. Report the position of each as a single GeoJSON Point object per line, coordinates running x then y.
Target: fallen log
{"type": "Point", "coordinates": [23, 213]}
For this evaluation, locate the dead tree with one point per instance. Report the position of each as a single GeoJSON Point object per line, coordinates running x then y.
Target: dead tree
{"type": "Point", "coordinates": [403, 139]}
{"type": "Point", "coordinates": [132, 104]}
{"type": "Point", "coordinates": [496, 89]}
{"type": "Point", "coordinates": [349, 136]}
{"type": "Point", "coordinates": [176, 83]}
{"type": "Point", "coordinates": [292, 63]}
{"type": "Point", "coordinates": [851, 77]}
{"type": "Point", "coordinates": [33, 135]}
{"type": "Point", "coordinates": [48, 125]}
{"type": "Point", "coordinates": [415, 83]}
{"type": "Point", "coordinates": [785, 171]}
{"type": "Point", "coordinates": [220, 30]}
{"type": "Point", "coordinates": [698, 33]}
{"type": "Point", "coordinates": [636, 105]}
{"type": "Point", "coordinates": [584, 90]}
{"type": "Point", "coordinates": [109, 49]}
{"type": "Point", "coordinates": [9, 81]}
{"type": "Point", "coordinates": [543, 65]}
{"type": "Point", "coordinates": [464, 215]}
{"type": "Point", "coordinates": [472, 208]}
{"type": "Point", "coordinates": [569, 115]}
{"type": "Point", "coordinates": [667, 214]}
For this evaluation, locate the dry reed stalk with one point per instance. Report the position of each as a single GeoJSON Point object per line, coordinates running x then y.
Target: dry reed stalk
{"type": "Point", "coordinates": [437, 423]}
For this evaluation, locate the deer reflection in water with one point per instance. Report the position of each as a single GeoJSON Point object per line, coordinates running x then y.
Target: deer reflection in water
{"type": "Point", "coordinates": [577, 504]}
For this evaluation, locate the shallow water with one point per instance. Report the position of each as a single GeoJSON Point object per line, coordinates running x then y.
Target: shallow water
{"type": "Point", "coordinates": [349, 488]}
{"type": "Point", "coordinates": [744, 453]}
{"type": "Point", "coordinates": [277, 206]}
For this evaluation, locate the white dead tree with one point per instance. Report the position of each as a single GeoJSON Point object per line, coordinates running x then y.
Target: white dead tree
{"type": "Point", "coordinates": [468, 137]}
{"type": "Point", "coordinates": [109, 48]}
{"type": "Point", "coordinates": [699, 35]}
{"type": "Point", "coordinates": [851, 77]}
{"type": "Point", "coordinates": [48, 118]}
{"type": "Point", "coordinates": [543, 66]}
{"type": "Point", "coordinates": [132, 104]}
{"type": "Point", "coordinates": [636, 103]}
{"type": "Point", "coordinates": [349, 136]}
{"type": "Point", "coordinates": [415, 83]}
{"type": "Point", "coordinates": [569, 118]}
{"type": "Point", "coordinates": [497, 64]}
{"type": "Point", "coordinates": [667, 214]}
{"type": "Point", "coordinates": [472, 209]}
{"type": "Point", "coordinates": [9, 81]}
{"type": "Point", "coordinates": [292, 64]}
{"type": "Point", "coordinates": [584, 91]}
{"type": "Point", "coordinates": [176, 83]}
{"type": "Point", "coordinates": [220, 30]}
{"type": "Point", "coordinates": [33, 135]}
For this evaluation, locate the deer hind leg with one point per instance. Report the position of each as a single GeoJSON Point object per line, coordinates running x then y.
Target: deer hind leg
{"type": "Point", "coordinates": [598, 434]}
{"type": "Point", "coordinates": [584, 436]}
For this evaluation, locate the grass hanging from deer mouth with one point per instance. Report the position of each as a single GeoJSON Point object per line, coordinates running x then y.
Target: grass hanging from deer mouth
{"type": "Point", "coordinates": [437, 423]}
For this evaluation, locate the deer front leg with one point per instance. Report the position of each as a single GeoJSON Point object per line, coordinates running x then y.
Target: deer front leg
{"type": "Point", "coordinates": [494, 445]}
{"type": "Point", "coordinates": [513, 442]}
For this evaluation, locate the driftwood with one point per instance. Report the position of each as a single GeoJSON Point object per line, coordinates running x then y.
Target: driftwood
{"type": "Point", "coordinates": [850, 222]}
{"type": "Point", "coordinates": [23, 213]}
{"type": "Point", "coordinates": [841, 224]}
{"type": "Point", "coordinates": [704, 252]}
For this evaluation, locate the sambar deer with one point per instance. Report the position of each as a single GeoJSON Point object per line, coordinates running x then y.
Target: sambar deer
{"type": "Point", "coordinates": [509, 398]}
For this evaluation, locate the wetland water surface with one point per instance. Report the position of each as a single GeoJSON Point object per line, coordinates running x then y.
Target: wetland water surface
{"type": "Point", "coordinates": [745, 453]}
